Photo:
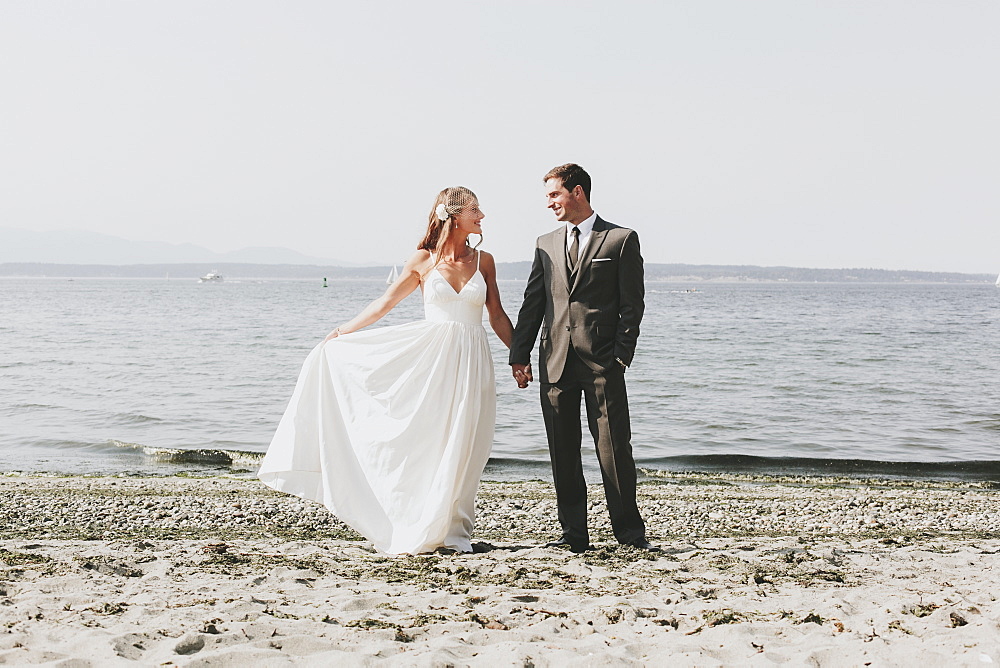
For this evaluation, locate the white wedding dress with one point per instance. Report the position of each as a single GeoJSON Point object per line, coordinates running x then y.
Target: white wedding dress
{"type": "Point", "coordinates": [390, 428]}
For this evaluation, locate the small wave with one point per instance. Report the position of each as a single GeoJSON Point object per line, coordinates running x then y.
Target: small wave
{"type": "Point", "coordinates": [134, 418]}
{"type": "Point", "coordinates": [244, 458]}
{"type": "Point", "coordinates": [204, 456]}
{"type": "Point", "coordinates": [504, 469]}
{"type": "Point", "coordinates": [58, 444]}
{"type": "Point", "coordinates": [981, 470]}
{"type": "Point", "coordinates": [989, 424]}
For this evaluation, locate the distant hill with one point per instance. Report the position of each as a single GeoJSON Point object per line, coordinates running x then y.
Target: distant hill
{"type": "Point", "coordinates": [677, 273]}
{"type": "Point", "coordinates": [83, 248]}
{"type": "Point", "coordinates": [89, 254]}
{"type": "Point", "coordinates": [715, 272]}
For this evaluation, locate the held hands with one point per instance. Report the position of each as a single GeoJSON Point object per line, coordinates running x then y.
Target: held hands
{"type": "Point", "coordinates": [522, 374]}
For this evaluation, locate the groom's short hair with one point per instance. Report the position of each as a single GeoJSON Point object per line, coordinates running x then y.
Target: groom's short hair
{"type": "Point", "coordinates": [571, 175]}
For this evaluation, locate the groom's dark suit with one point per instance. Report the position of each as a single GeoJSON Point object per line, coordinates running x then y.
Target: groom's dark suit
{"type": "Point", "coordinates": [588, 318]}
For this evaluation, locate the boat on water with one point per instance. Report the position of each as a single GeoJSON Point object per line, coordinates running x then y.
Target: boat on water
{"type": "Point", "coordinates": [393, 275]}
{"type": "Point", "coordinates": [998, 280]}
{"type": "Point", "coordinates": [211, 277]}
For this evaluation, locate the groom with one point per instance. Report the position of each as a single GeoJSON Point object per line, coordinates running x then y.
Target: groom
{"type": "Point", "coordinates": [585, 291]}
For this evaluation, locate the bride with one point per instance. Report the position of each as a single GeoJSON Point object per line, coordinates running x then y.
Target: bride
{"type": "Point", "coordinates": [390, 428]}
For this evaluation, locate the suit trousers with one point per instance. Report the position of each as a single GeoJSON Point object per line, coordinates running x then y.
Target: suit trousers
{"type": "Point", "coordinates": [608, 417]}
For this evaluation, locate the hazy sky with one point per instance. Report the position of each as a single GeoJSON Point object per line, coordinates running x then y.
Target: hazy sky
{"type": "Point", "coordinates": [819, 134]}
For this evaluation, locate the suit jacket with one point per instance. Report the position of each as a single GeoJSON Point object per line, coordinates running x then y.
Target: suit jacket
{"type": "Point", "coordinates": [598, 308]}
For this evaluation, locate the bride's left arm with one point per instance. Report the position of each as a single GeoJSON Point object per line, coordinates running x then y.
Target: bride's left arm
{"type": "Point", "coordinates": [499, 320]}
{"type": "Point", "coordinates": [407, 282]}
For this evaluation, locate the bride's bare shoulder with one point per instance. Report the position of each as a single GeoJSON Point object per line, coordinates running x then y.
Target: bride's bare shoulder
{"type": "Point", "coordinates": [420, 262]}
{"type": "Point", "coordinates": [486, 259]}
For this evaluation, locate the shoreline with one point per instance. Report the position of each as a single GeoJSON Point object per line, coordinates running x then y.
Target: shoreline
{"type": "Point", "coordinates": [161, 462]}
{"type": "Point", "coordinates": [755, 570]}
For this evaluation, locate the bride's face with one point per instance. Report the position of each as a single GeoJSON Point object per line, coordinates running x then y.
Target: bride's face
{"type": "Point", "coordinates": [469, 219]}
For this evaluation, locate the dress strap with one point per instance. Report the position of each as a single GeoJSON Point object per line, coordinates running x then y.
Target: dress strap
{"type": "Point", "coordinates": [479, 254]}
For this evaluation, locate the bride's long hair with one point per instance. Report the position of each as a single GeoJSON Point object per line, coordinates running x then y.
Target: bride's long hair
{"type": "Point", "coordinates": [439, 231]}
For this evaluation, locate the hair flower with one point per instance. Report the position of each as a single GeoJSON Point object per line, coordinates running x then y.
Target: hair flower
{"type": "Point", "coordinates": [441, 211]}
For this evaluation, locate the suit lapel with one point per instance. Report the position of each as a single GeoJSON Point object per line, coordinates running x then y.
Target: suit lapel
{"type": "Point", "coordinates": [589, 252]}
{"type": "Point", "coordinates": [559, 256]}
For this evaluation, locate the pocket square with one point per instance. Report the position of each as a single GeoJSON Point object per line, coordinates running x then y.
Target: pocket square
{"type": "Point", "coordinates": [601, 259]}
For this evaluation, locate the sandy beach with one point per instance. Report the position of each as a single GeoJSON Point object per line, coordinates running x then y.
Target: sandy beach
{"type": "Point", "coordinates": [754, 571]}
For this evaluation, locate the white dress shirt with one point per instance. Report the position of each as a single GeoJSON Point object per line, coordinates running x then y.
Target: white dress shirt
{"type": "Point", "coordinates": [586, 227]}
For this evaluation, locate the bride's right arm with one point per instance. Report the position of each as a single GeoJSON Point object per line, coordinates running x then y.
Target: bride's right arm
{"type": "Point", "coordinates": [407, 282]}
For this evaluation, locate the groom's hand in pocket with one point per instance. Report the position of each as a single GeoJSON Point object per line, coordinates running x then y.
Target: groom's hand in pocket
{"type": "Point", "coordinates": [522, 374]}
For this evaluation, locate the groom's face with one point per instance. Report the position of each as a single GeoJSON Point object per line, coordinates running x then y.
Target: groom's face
{"type": "Point", "coordinates": [568, 206]}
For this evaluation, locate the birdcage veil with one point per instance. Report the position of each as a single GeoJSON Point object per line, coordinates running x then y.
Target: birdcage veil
{"type": "Point", "coordinates": [447, 204]}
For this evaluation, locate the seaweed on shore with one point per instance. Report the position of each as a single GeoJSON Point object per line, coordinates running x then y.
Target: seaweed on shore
{"type": "Point", "coordinates": [16, 563]}
{"type": "Point", "coordinates": [436, 573]}
{"type": "Point", "coordinates": [240, 563]}
{"type": "Point", "coordinates": [112, 531]}
{"type": "Point", "coordinates": [11, 558]}
{"type": "Point", "coordinates": [618, 557]}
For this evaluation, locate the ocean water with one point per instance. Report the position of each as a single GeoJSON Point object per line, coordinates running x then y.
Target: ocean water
{"type": "Point", "coordinates": [161, 376]}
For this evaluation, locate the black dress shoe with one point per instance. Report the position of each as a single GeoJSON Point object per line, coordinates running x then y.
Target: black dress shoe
{"type": "Point", "coordinates": [573, 547]}
{"type": "Point", "coordinates": [643, 544]}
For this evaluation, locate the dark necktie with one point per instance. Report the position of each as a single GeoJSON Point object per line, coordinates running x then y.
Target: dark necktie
{"type": "Point", "coordinates": [574, 249]}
